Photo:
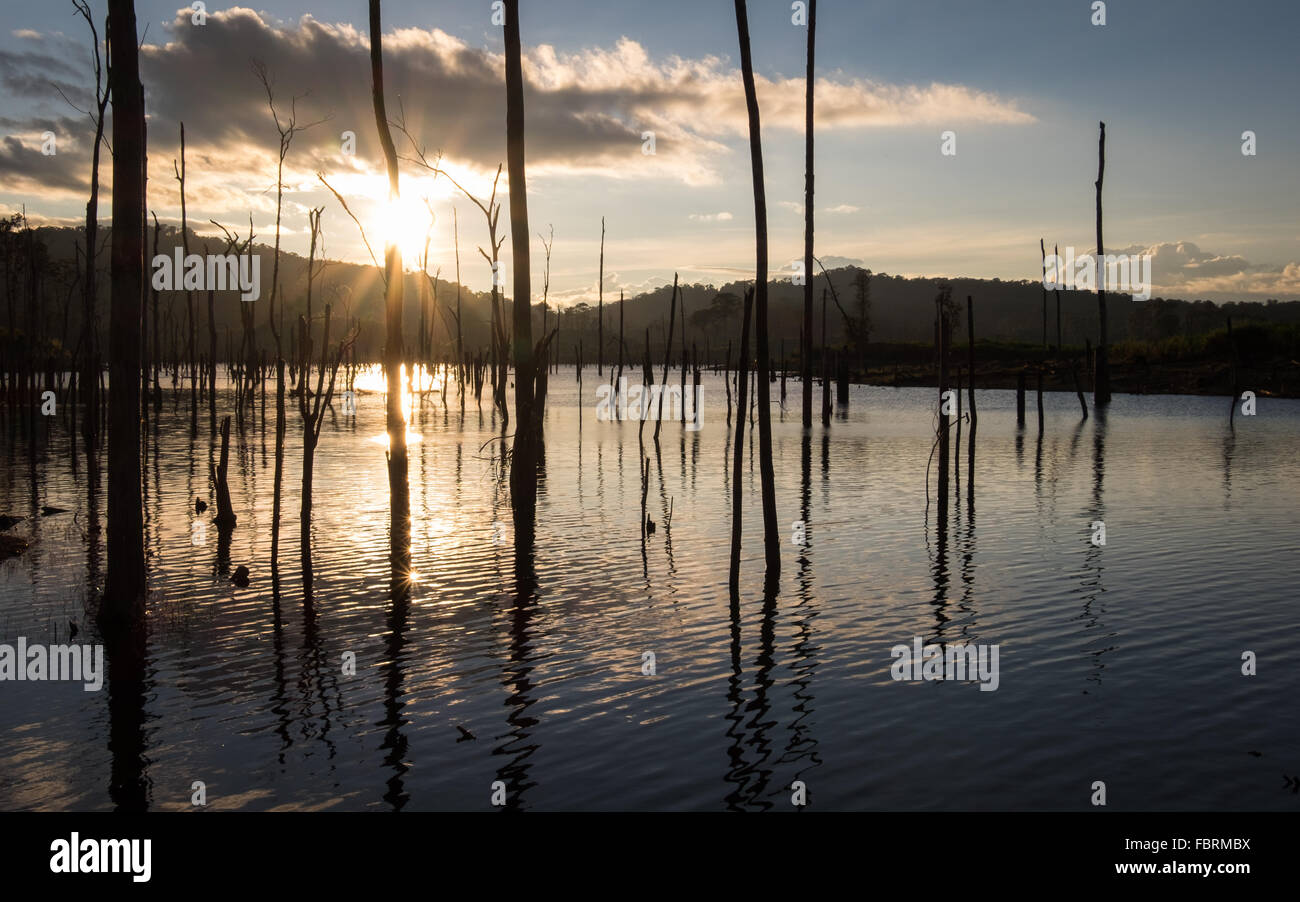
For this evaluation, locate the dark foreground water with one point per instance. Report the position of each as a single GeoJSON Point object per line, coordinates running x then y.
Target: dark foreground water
{"type": "Point", "coordinates": [1119, 663]}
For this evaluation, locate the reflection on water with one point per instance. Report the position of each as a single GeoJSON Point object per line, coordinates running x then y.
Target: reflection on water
{"type": "Point", "coordinates": [489, 658]}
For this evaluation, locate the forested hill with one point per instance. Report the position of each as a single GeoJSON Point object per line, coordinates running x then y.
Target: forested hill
{"type": "Point", "coordinates": [897, 309]}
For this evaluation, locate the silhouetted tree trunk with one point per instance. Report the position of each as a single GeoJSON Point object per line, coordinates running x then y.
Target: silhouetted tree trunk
{"type": "Point", "coordinates": [1020, 398]}
{"type": "Point", "coordinates": [460, 342]}
{"type": "Point", "coordinates": [89, 343]}
{"type": "Point", "coordinates": [125, 582]}
{"type": "Point", "coordinates": [1232, 374]}
{"type": "Point", "coordinates": [1060, 346]}
{"type": "Point", "coordinates": [618, 381]}
{"type": "Point", "coordinates": [726, 378]}
{"type": "Point", "coordinates": [805, 351]}
{"type": "Point", "coordinates": [1040, 400]}
{"type": "Point", "coordinates": [943, 341]}
{"type": "Point", "coordinates": [225, 518]}
{"type": "Point", "coordinates": [668, 349]}
{"type": "Point", "coordinates": [1042, 251]}
{"type": "Point", "coordinates": [826, 368]}
{"type": "Point", "coordinates": [683, 383]}
{"type": "Point", "coordinates": [970, 359]}
{"type": "Point", "coordinates": [771, 540]}
{"type": "Point", "coordinates": [1101, 384]}
{"type": "Point", "coordinates": [212, 350]}
{"type": "Point", "coordinates": [286, 129]}
{"type": "Point", "coordinates": [398, 489]}
{"type": "Point", "coordinates": [737, 451]}
{"type": "Point", "coordinates": [600, 306]}
{"type": "Point", "coordinates": [524, 458]}
{"type": "Point", "coordinates": [312, 408]}
{"type": "Point", "coordinates": [190, 348]}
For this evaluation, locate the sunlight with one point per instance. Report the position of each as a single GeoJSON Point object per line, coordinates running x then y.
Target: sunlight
{"type": "Point", "coordinates": [405, 221]}
{"type": "Point", "coordinates": [371, 379]}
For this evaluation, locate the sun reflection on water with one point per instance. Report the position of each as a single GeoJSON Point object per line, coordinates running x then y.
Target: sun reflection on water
{"type": "Point", "coordinates": [423, 381]}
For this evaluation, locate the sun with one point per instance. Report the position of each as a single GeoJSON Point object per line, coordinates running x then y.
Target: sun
{"type": "Point", "coordinates": [411, 219]}
{"type": "Point", "coordinates": [406, 222]}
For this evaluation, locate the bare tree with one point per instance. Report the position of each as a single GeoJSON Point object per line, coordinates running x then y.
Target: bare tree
{"type": "Point", "coordinates": [1042, 252]}
{"type": "Point", "coordinates": [460, 342]}
{"type": "Point", "coordinates": [190, 345]}
{"type": "Point", "coordinates": [1056, 254]}
{"type": "Point", "coordinates": [124, 588]}
{"type": "Point", "coordinates": [546, 279]}
{"type": "Point", "coordinates": [312, 405]}
{"type": "Point", "coordinates": [398, 488]}
{"type": "Point", "coordinates": [530, 391]}
{"type": "Point", "coordinates": [89, 345]}
{"type": "Point", "coordinates": [287, 129]}
{"type": "Point", "coordinates": [771, 540]}
{"type": "Point", "coordinates": [805, 352]}
{"type": "Point", "coordinates": [668, 351]}
{"type": "Point", "coordinates": [600, 307]}
{"type": "Point", "coordinates": [491, 210]}
{"type": "Point", "coordinates": [1101, 385]}
{"type": "Point", "coordinates": [742, 379]}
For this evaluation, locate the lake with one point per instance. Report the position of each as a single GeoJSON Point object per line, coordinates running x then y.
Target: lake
{"type": "Point", "coordinates": [1119, 663]}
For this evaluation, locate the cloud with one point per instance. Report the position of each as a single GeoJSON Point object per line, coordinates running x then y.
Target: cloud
{"type": "Point", "coordinates": [27, 169]}
{"type": "Point", "coordinates": [724, 216]}
{"type": "Point", "coordinates": [42, 71]}
{"type": "Point", "coordinates": [797, 207]}
{"type": "Point", "coordinates": [832, 261]}
{"type": "Point", "coordinates": [1181, 269]}
{"type": "Point", "coordinates": [586, 110]}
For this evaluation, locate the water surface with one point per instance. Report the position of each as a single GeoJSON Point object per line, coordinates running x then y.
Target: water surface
{"type": "Point", "coordinates": [1119, 663]}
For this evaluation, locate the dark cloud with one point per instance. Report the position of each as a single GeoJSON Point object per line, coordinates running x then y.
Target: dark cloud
{"type": "Point", "coordinates": [586, 110]}
{"type": "Point", "coordinates": [23, 165]}
{"type": "Point", "coordinates": [452, 95]}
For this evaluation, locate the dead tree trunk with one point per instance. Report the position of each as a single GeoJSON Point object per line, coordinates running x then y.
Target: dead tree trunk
{"type": "Point", "coordinates": [398, 489]}
{"type": "Point", "coordinates": [826, 370]}
{"type": "Point", "coordinates": [125, 582]}
{"type": "Point", "coordinates": [668, 349]}
{"type": "Point", "coordinates": [771, 540]}
{"type": "Point", "coordinates": [1042, 250]}
{"type": "Point", "coordinates": [1020, 398]}
{"type": "Point", "coordinates": [190, 348]}
{"type": "Point", "coordinates": [528, 423]}
{"type": "Point", "coordinates": [225, 519]}
{"type": "Point", "coordinates": [90, 344]}
{"type": "Point", "coordinates": [726, 378]}
{"type": "Point", "coordinates": [737, 451]}
{"type": "Point", "coordinates": [943, 333]}
{"type": "Point", "coordinates": [805, 349]}
{"type": "Point", "coordinates": [1101, 385]}
{"type": "Point", "coordinates": [970, 360]}
{"type": "Point", "coordinates": [1060, 347]}
{"type": "Point", "coordinates": [600, 306]}
{"type": "Point", "coordinates": [460, 341]}
{"type": "Point", "coordinates": [1040, 400]}
{"type": "Point", "coordinates": [619, 380]}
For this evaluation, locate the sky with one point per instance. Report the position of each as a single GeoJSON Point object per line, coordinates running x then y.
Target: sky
{"type": "Point", "coordinates": [1022, 85]}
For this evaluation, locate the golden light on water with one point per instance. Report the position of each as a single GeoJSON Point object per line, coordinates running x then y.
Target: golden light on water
{"type": "Point", "coordinates": [423, 380]}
